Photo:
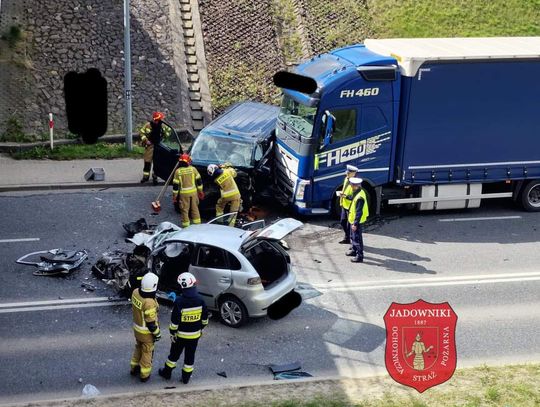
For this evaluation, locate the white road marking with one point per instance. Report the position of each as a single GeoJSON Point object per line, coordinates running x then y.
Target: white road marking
{"type": "Point", "coordinates": [431, 282]}
{"type": "Point", "coordinates": [482, 218]}
{"type": "Point", "coordinates": [60, 304]}
{"type": "Point", "coordinates": [28, 239]}
{"type": "Point", "coordinates": [55, 302]}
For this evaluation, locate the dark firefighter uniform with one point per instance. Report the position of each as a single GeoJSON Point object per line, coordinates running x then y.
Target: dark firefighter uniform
{"type": "Point", "coordinates": [146, 330]}
{"type": "Point", "coordinates": [151, 134]}
{"type": "Point", "coordinates": [187, 189]}
{"type": "Point", "coordinates": [358, 213]}
{"type": "Point", "coordinates": [189, 317]}
{"type": "Point", "coordinates": [230, 194]}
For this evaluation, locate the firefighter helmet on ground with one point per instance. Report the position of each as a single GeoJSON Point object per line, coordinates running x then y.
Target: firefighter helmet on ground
{"type": "Point", "coordinates": [187, 280]}
{"type": "Point", "coordinates": [149, 283]}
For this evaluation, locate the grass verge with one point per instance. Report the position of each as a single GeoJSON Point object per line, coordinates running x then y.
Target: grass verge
{"type": "Point", "coordinates": [515, 385]}
{"type": "Point", "coordinates": [105, 151]}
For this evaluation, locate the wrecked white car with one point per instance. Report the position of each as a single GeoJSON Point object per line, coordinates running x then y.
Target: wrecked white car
{"type": "Point", "coordinates": [240, 273]}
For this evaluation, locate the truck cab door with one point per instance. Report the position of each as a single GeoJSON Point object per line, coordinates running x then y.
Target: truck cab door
{"type": "Point", "coordinates": [166, 154]}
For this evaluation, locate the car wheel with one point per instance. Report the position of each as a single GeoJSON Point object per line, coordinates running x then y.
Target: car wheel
{"type": "Point", "coordinates": [530, 196]}
{"type": "Point", "coordinates": [233, 312]}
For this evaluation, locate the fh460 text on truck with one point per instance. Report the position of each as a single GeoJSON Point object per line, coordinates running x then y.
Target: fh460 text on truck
{"type": "Point", "coordinates": [434, 123]}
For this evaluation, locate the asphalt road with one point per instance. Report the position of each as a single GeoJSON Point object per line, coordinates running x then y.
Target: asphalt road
{"type": "Point", "coordinates": [483, 262]}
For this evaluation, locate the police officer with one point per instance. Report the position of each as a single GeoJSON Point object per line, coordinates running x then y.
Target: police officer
{"type": "Point", "coordinates": [224, 177]}
{"type": "Point", "coordinates": [145, 326]}
{"type": "Point", "coordinates": [151, 134]}
{"type": "Point", "coordinates": [345, 200]}
{"type": "Point", "coordinates": [189, 317]}
{"type": "Point", "coordinates": [187, 190]}
{"type": "Point", "coordinates": [358, 213]}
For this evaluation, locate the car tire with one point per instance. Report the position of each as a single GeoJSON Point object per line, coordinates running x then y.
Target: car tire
{"type": "Point", "coordinates": [232, 312]}
{"type": "Point", "coordinates": [530, 196]}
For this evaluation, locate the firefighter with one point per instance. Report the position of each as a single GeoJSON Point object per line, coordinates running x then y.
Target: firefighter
{"type": "Point", "coordinates": [151, 134]}
{"type": "Point", "coordinates": [224, 176]}
{"type": "Point", "coordinates": [345, 199]}
{"type": "Point", "coordinates": [189, 317]}
{"type": "Point", "coordinates": [187, 190]}
{"type": "Point", "coordinates": [358, 213]}
{"type": "Point", "coordinates": [145, 326]}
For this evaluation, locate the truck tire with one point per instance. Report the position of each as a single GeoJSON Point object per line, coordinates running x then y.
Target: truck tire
{"type": "Point", "coordinates": [530, 196]}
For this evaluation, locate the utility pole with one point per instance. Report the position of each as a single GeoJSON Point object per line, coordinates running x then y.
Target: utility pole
{"type": "Point", "coordinates": [127, 77]}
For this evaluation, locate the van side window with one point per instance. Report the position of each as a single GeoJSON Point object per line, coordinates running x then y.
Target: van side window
{"type": "Point", "coordinates": [345, 125]}
{"type": "Point", "coordinates": [211, 257]}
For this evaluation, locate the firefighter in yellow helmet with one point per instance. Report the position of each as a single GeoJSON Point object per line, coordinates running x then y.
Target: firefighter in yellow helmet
{"type": "Point", "coordinates": [358, 213]}
{"type": "Point", "coordinates": [145, 326]}
{"type": "Point", "coordinates": [151, 134]}
{"type": "Point", "coordinates": [345, 200]}
{"type": "Point", "coordinates": [187, 190]}
{"type": "Point", "coordinates": [224, 177]}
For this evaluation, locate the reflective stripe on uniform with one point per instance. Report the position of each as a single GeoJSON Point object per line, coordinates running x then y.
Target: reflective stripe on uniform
{"type": "Point", "coordinates": [171, 364]}
{"type": "Point", "coordinates": [141, 329]}
{"type": "Point", "coordinates": [205, 321]}
{"type": "Point", "coordinates": [150, 313]}
{"type": "Point", "coordinates": [173, 327]}
{"type": "Point", "coordinates": [187, 368]}
{"type": "Point", "coordinates": [189, 335]}
{"type": "Point", "coordinates": [145, 371]}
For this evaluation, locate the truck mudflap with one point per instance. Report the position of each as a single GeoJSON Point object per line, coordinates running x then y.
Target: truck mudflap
{"type": "Point", "coordinates": [282, 307]}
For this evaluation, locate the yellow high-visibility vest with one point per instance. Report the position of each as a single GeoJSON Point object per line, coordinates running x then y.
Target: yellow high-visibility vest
{"type": "Point", "coordinates": [365, 208]}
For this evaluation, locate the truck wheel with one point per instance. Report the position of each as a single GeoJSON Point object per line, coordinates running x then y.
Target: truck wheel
{"type": "Point", "coordinates": [530, 196]}
{"type": "Point", "coordinates": [232, 311]}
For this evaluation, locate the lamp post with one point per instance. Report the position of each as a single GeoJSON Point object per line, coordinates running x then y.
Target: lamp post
{"type": "Point", "coordinates": [127, 77]}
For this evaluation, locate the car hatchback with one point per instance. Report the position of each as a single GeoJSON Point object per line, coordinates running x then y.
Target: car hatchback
{"type": "Point", "coordinates": [239, 273]}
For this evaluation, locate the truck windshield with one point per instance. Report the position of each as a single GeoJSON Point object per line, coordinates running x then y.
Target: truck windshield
{"type": "Point", "coordinates": [212, 149]}
{"type": "Point", "coordinates": [297, 117]}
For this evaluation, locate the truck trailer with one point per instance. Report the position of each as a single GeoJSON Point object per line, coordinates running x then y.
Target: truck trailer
{"type": "Point", "coordinates": [437, 123]}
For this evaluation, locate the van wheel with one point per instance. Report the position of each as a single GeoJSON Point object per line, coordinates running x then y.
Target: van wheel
{"type": "Point", "coordinates": [232, 312]}
{"type": "Point", "coordinates": [530, 196]}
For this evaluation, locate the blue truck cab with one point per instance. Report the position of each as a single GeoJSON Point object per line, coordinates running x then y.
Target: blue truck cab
{"type": "Point", "coordinates": [431, 123]}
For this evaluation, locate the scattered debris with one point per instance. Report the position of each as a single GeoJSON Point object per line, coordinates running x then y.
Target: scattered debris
{"type": "Point", "coordinates": [122, 270]}
{"type": "Point", "coordinates": [55, 261]}
{"type": "Point", "coordinates": [80, 380]}
{"type": "Point", "coordinates": [288, 367]}
{"type": "Point", "coordinates": [138, 226]}
{"type": "Point", "coordinates": [288, 371]}
{"type": "Point", "coordinates": [169, 387]}
{"type": "Point", "coordinates": [88, 286]}
{"type": "Point", "coordinates": [222, 374]}
{"type": "Point", "coordinates": [291, 375]}
{"type": "Point", "coordinates": [307, 291]}
{"type": "Point", "coordinates": [90, 391]}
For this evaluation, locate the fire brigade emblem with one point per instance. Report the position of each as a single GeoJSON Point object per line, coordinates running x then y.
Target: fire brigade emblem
{"type": "Point", "coordinates": [420, 343]}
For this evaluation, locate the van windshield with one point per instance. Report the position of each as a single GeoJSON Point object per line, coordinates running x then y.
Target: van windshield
{"type": "Point", "coordinates": [212, 149]}
{"type": "Point", "coordinates": [297, 117]}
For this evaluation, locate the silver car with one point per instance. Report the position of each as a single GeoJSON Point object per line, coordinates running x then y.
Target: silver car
{"type": "Point", "coordinates": [240, 273]}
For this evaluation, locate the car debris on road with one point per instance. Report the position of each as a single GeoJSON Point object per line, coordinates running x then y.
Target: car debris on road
{"type": "Point", "coordinates": [54, 262]}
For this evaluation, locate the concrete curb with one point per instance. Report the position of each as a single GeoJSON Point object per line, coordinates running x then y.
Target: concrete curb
{"type": "Point", "coordinates": [67, 186]}
{"type": "Point", "coordinates": [184, 135]}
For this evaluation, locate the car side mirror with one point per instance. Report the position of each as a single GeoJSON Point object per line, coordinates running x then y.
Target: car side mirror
{"type": "Point", "coordinates": [330, 125]}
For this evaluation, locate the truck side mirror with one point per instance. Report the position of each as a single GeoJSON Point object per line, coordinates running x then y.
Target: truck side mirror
{"type": "Point", "coordinates": [330, 125]}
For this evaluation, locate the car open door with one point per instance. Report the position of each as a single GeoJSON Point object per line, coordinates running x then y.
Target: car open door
{"type": "Point", "coordinates": [166, 154]}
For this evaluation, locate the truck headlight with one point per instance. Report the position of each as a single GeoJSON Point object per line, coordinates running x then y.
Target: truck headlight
{"type": "Point", "coordinates": [301, 188]}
